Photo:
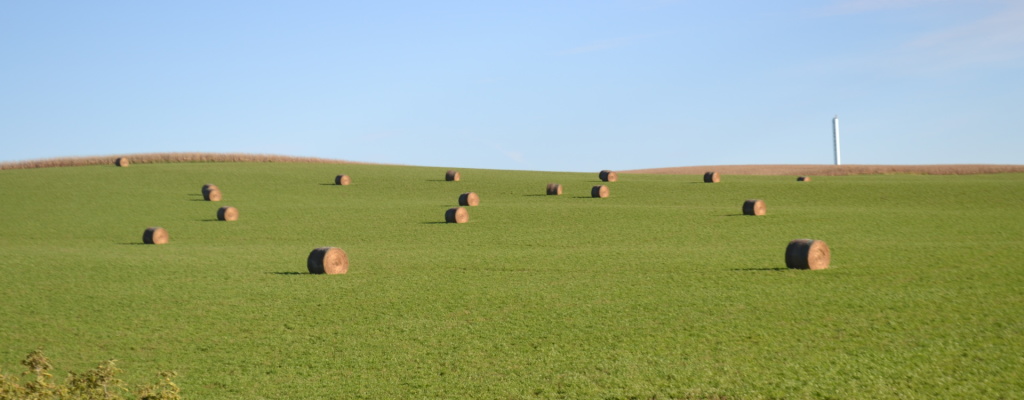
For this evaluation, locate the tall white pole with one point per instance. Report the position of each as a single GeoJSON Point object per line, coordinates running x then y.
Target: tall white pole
{"type": "Point", "coordinates": [835, 136]}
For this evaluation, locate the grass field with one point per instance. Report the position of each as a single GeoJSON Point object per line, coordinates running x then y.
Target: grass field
{"type": "Point", "coordinates": [662, 290]}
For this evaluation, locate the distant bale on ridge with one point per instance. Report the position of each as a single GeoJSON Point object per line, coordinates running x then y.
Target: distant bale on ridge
{"type": "Point", "coordinates": [711, 177]}
{"type": "Point", "coordinates": [456, 215]}
{"type": "Point", "coordinates": [608, 176]}
{"type": "Point", "coordinates": [227, 213]}
{"type": "Point", "coordinates": [155, 235]}
{"type": "Point", "coordinates": [452, 176]}
{"type": "Point", "coordinates": [803, 179]}
{"type": "Point", "coordinates": [808, 254]}
{"type": "Point", "coordinates": [208, 187]}
{"type": "Point", "coordinates": [554, 189]}
{"type": "Point", "coordinates": [122, 162]}
{"type": "Point", "coordinates": [469, 199]}
{"type": "Point", "coordinates": [600, 191]}
{"type": "Point", "coordinates": [343, 180]}
{"type": "Point", "coordinates": [754, 207]}
{"type": "Point", "coordinates": [327, 260]}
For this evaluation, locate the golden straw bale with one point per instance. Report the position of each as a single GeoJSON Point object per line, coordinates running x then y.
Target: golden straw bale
{"type": "Point", "coordinates": [469, 199]}
{"type": "Point", "coordinates": [808, 254]}
{"type": "Point", "coordinates": [227, 213]}
{"type": "Point", "coordinates": [155, 235]}
{"type": "Point", "coordinates": [212, 195]}
{"type": "Point", "coordinates": [327, 260]}
{"type": "Point", "coordinates": [456, 215]}
{"type": "Point", "coordinates": [754, 207]}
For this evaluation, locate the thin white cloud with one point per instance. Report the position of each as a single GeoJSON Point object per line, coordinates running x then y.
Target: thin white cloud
{"type": "Point", "coordinates": [996, 38]}
{"type": "Point", "coordinates": [605, 45]}
{"type": "Point", "coordinates": [993, 39]}
{"type": "Point", "coordinates": [862, 6]}
{"type": "Point", "coordinates": [378, 136]}
{"type": "Point", "coordinates": [515, 156]}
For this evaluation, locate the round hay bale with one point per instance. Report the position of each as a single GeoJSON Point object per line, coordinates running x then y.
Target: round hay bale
{"type": "Point", "coordinates": [227, 213]}
{"type": "Point", "coordinates": [600, 191]}
{"type": "Point", "coordinates": [343, 180]}
{"type": "Point", "coordinates": [208, 187]}
{"type": "Point", "coordinates": [754, 207]}
{"type": "Point", "coordinates": [327, 260]}
{"type": "Point", "coordinates": [608, 176]}
{"type": "Point", "coordinates": [155, 235]}
{"type": "Point", "coordinates": [452, 175]}
{"type": "Point", "coordinates": [803, 179]}
{"type": "Point", "coordinates": [711, 177]}
{"type": "Point", "coordinates": [808, 254]}
{"type": "Point", "coordinates": [121, 162]}
{"type": "Point", "coordinates": [456, 215]}
{"type": "Point", "coordinates": [212, 195]}
{"type": "Point", "coordinates": [554, 189]}
{"type": "Point", "coordinates": [469, 199]}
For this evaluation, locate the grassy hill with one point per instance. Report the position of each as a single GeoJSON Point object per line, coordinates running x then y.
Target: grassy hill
{"type": "Point", "coordinates": [662, 290]}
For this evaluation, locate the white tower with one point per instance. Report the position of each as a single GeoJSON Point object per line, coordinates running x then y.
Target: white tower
{"type": "Point", "coordinates": [835, 136]}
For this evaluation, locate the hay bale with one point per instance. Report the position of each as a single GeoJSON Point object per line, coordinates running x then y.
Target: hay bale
{"type": "Point", "coordinates": [327, 260]}
{"type": "Point", "coordinates": [803, 179]}
{"type": "Point", "coordinates": [212, 195]}
{"type": "Point", "coordinates": [711, 177]}
{"type": "Point", "coordinates": [122, 162]}
{"type": "Point", "coordinates": [343, 180]}
{"type": "Point", "coordinates": [469, 199]}
{"type": "Point", "coordinates": [227, 213]}
{"type": "Point", "coordinates": [452, 175]}
{"type": "Point", "coordinates": [456, 215]}
{"type": "Point", "coordinates": [208, 187]}
{"type": "Point", "coordinates": [600, 191]}
{"type": "Point", "coordinates": [155, 235]}
{"type": "Point", "coordinates": [554, 189]}
{"type": "Point", "coordinates": [608, 176]}
{"type": "Point", "coordinates": [808, 254]}
{"type": "Point", "coordinates": [754, 207]}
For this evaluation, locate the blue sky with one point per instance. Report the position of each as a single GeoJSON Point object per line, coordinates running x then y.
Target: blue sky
{"type": "Point", "coordinates": [534, 85]}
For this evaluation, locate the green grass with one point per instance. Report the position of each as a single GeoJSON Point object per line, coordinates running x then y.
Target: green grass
{"type": "Point", "coordinates": [661, 291]}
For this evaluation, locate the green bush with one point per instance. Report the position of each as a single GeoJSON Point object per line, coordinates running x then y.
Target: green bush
{"type": "Point", "coordinates": [97, 383]}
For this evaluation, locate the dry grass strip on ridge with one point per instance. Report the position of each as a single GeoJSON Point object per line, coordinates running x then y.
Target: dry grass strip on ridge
{"type": "Point", "coordinates": [836, 170]}
{"type": "Point", "coordinates": [157, 158]}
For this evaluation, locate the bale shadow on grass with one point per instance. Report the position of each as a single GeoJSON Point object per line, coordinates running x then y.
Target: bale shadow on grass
{"type": "Point", "coordinates": [133, 243]}
{"type": "Point", "coordinates": [777, 269]}
{"type": "Point", "coordinates": [208, 220]}
{"type": "Point", "coordinates": [435, 222]}
{"type": "Point", "coordinates": [330, 184]}
{"type": "Point", "coordinates": [289, 273]}
{"type": "Point", "coordinates": [538, 195]}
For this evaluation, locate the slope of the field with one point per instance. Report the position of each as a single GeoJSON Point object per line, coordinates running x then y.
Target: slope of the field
{"type": "Point", "coordinates": [663, 290]}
